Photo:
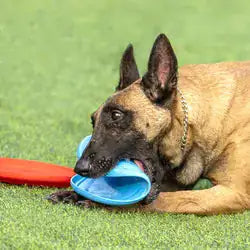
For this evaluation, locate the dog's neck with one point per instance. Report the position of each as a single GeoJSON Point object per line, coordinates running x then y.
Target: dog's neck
{"type": "Point", "coordinates": [177, 142]}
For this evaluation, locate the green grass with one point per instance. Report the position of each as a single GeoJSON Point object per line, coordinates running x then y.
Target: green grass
{"type": "Point", "coordinates": [59, 61]}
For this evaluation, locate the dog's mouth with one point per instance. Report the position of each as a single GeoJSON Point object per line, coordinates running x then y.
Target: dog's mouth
{"type": "Point", "coordinates": [149, 167]}
{"type": "Point", "coordinates": [139, 164]}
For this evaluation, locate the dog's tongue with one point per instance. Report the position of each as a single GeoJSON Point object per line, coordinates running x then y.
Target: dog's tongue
{"type": "Point", "coordinates": [139, 164]}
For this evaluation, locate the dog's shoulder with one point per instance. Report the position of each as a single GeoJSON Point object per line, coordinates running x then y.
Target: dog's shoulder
{"type": "Point", "coordinates": [219, 95]}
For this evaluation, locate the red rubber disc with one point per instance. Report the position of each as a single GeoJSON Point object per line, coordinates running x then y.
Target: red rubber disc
{"type": "Point", "coordinates": [34, 173]}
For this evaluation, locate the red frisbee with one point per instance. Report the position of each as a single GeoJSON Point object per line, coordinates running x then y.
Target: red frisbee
{"type": "Point", "coordinates": [34, 173]}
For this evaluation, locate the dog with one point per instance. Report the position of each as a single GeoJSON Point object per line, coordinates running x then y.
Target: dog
{"type": "Point", "coordinates": [178, 125]}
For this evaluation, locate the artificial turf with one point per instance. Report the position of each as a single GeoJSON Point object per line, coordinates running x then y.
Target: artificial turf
{"type": "Point", "coordinates": [59, 61]}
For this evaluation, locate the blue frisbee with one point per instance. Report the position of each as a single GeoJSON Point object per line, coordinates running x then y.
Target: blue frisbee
{"type": "Point", "coordinates": [123, 185]}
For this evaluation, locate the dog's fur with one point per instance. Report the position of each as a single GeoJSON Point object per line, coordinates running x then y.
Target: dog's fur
{"type": "Point", "coordinates": [143, 120]}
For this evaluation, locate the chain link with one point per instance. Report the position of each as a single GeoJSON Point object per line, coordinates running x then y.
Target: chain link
{"type": "Point", "coordinates": [185, 120]}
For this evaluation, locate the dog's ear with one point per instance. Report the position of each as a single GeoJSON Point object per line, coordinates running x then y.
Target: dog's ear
{"type": "Point", "coordinates": [161, 79]}
{"type": "Point", "coordinates": [128, 69]}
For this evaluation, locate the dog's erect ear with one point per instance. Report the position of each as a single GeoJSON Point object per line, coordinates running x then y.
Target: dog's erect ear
{"type": "Point", "coordinates": [161, 79]}
{"type": "Point", "coordinates": [128, 69]}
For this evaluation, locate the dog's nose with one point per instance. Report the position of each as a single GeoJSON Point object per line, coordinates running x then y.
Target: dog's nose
{"type": "Point", "coordinates": [82, 167]}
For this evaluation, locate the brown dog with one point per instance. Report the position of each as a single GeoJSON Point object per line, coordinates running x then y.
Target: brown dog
{"type": "Point", "coordinates": [181, 126]}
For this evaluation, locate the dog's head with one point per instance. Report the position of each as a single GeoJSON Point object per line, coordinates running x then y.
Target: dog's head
{"type": "Point", "coordinates": [131, 122]}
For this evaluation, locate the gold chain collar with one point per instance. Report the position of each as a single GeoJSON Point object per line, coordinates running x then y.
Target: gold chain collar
{"type": "Point", "coordinates": [185, 110]}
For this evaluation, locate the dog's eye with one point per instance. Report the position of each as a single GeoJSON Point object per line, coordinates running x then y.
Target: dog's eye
{"type": "Point", "coordinates": [116, 115]}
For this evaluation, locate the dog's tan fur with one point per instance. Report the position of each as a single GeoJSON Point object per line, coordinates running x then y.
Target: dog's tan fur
{"type": "Point", "coordinates": [218, 139]}
{"type": "Point", "coordinates": [218, 96]}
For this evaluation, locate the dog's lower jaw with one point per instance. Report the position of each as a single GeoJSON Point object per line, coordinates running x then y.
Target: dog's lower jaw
{"type": "Point", "coordinates": [153, 194]}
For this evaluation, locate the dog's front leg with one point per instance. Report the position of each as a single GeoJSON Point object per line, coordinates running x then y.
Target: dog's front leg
{"type": "Point", "coordinates": [216, 200]}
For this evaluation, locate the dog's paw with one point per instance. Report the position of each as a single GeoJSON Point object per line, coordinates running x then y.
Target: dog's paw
{"type": "Point", "coordinates": [71, 197]}
{"type": "Point", "coordinates": [64, 197]}
{"type": "Point", "coordinates": [87, 204]}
